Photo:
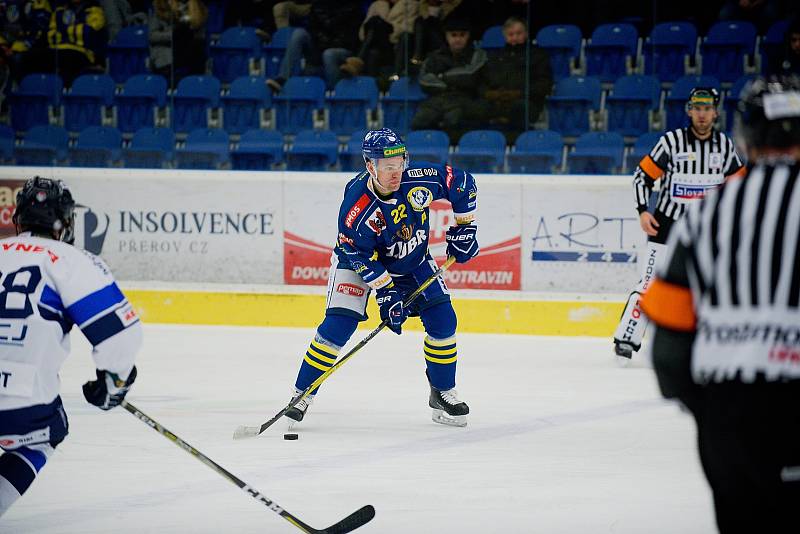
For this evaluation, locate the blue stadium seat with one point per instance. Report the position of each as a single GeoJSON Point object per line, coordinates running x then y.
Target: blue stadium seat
{"type": "Point", "coordinates": [563, 43]}
{"type": "Point", "coordinates": [536, 151]}
{"type": "Point", "coordinates": [773, 42]}
{"type": "Point", "coordinates": [428, 145]}
{"type": "Point", "coordinates": [230, 57]}
{"type": "Point", "coordinates": [725, 49]}
{"type": "Point", "coordinates": [668, 50]}
{"type": "Point", "coordinates": [206, 148]}
{"type": "Point", "coordinates": [242, 106]}
{"type": "Point", "coordinates": [493, 38]}
{"type": "Point", "coordinates": [128, 53]}
{"type": "Point", "coordinates": [351, 159]}
{"type": "Point", "coordinates": [596, 153]}
{"type": "Point", "coordinates": [400, 104]}
{"type": "Point", "coordinates": [612, 51]}
{"type": "Point", "coordinates": [480, 151]}
{"type": "Point", "coordinates": [295, 105]}
{"type": "Point", "coordinates": [675, 103]}
{"type": "Point", "coordinates": [43, 146]}
{"type": "Point", "coordinates": [274, 50]}
{"type": "Point", "coordinates": [312, 150]}
{"type": "Point", "coordinates": [150, 148]}
{"type": "Point", "coordinates": [572, 101]}
{"type": "Point", "coordinates": [97, 146]}
{"type": "Point", "coordinates": [7, 140]}
{"type": "Point", "coordinates": [641, 148]}
{"type": "Point", "coordinates": [351, 101]}
{"type": "Point", "coordinates": [32, 103]}
{"type": "Point", "coordinates": [136, 105]}
{"type": "Point", "coordinates": [630, 104]}
{"type": "Point", "coordinates": [84, 103]}
{"type": "Point", "coordinates": [194, 98]}
{"type": "Point", "coordinates": [732, 98]}
{"type": "Point", "coordinates": [258, 150]}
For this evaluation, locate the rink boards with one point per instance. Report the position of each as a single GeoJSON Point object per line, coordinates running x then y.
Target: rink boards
{"type": "Point", "coordinates": [479, 313]}
{"type": "Point", "coordinates": [541, 237]}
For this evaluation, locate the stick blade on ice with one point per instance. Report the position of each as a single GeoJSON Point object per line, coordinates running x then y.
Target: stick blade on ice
{"type": "Point", "coordinates": [355, 520]}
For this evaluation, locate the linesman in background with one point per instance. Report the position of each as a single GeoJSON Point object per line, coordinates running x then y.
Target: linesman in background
{"type": "Point", "coordinates": [688, 162]}
{"type": "Point", "coordinates": [727, 340]}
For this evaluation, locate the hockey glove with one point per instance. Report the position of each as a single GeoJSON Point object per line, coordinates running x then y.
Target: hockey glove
{"type": "Point", "coordinates": [390, 302]}
{"type": "Point", "coordinates": [108, 390]}
{"type": "Point", "coordinates": [461, 242]}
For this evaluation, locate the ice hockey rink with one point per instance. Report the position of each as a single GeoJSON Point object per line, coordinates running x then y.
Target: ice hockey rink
{"type": "Point", "coordinates": [560, 440]}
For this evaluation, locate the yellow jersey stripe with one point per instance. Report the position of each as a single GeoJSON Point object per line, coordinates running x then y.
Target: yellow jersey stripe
{"type": "Point", "coordinates": [312, 363]}
{"type": "Point", "coordinates": [440, 342]}
{"type": "Point", "coordinates": [445, 352]}
{"type": "Point", "coordinates": [321, 357]}
{"type": "Point", "coordinates": [325, 349]}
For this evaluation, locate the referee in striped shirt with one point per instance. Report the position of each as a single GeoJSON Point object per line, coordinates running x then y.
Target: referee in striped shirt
{"type": "Point", "coordinates": [687, 162]}
{"type": "Point", "coordinates": [726, 306]}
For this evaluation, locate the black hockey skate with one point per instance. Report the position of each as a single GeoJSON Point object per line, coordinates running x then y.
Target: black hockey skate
{"type": "Point", "coordinates": [298, 411]}
{"type": "Point", "coordinates": [447, 408]}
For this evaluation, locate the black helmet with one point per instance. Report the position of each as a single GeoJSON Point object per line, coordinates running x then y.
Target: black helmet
{"type": "Point", "coordinates": [45, 206]}
{"type": "Point", "coordinates": [706, 96]}
{"type": "Point", "coordinates": [768, 113]}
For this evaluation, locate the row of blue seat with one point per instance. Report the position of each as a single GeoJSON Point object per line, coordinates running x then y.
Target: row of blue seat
{"type": "Point", "coordinates": [670, 51]}
{"type": "Point", "coordinates": [535, 151]}
{"type": "Point", "coordinates": [195, 97]}
{"type": "Point", "coordinates": [630, 104]}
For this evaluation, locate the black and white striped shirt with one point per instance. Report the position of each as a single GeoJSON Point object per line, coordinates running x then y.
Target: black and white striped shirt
{"type": "Point", "coordinates": [739, 251]}
{"type": "Point", "coordinates": [687, 167]}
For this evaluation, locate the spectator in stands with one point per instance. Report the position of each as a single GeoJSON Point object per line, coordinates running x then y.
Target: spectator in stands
{"type": "Point", "coordinates": [428, 30]}
{"type": "Point", "coordinates": [21, 30]}
{"type": "Point", "coordinates": [285, 13]}
{"type": "Point", "coordinates": [788, 61]}
{"type": "Point", "coordinates": [384, 34]}
{"type": "Point", "coordinates": [332, 36]}
{"type": "Point", "coordinates": [505, 87]}
{"type": "Point", "coordinates": [177, 38]}
{"type": "Point", "coordinates": [76, 42]}
{"type": "Point", "coordinates": [452, 76]}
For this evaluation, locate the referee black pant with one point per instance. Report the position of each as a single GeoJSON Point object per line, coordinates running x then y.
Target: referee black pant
{"type": "Point", "coordinates": [749, 441]}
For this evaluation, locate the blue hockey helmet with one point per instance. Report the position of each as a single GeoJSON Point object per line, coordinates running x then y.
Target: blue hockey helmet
{"type": "Point", "coordinates": [383, 143]}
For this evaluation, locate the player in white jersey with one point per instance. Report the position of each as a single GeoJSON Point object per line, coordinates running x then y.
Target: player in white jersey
{"type": "Point", "coordinates": [46, 287]}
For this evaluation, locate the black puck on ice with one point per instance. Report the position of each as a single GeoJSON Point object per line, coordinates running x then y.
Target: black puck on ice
{"type": "Point", "coordinates": [291, 436]}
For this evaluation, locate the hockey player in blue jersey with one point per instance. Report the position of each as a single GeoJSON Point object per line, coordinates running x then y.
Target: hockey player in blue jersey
{"type": "Point", "coordinates": [47, 287]}
{"type": "Point", "coordinates": [382, 245]}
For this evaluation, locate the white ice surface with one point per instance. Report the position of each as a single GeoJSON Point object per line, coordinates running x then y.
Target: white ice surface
{"type": "Point", "coordinates": [560, 440]}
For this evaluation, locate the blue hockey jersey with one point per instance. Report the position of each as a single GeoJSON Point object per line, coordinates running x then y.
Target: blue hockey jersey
{"type": "Point", "coordinates": [381, 236]}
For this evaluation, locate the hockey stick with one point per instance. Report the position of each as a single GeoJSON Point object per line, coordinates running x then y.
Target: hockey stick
{"type": "Point", "coordinates": [252, 431]}
{"type": "Point", "coordinates": [353, 521]}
